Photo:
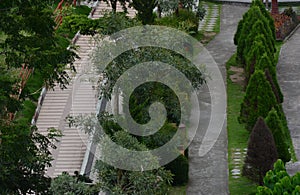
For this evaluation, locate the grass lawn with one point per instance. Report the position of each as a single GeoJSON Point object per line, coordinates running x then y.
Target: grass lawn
{"type": "Point", "coordinates": [237, 134]}
{"type": "Point", "coordinates": [179, 190]}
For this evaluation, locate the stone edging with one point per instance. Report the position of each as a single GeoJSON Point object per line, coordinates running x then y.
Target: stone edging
{"type": "Point", "coordinates": [291, 33]}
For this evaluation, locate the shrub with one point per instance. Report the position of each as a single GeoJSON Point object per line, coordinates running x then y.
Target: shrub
{"type": "Point", "coordinates": [180, 168]}
{"type": "Point", "coordinates": [279, 136]}
{"type": "Point", "coordinates": [261, 153]}
{"type": "Point", "coordinates": [186, 21]}
{"type": "Point", "coordinates": [258, 101]}
{"type": "Point", "coordinates": [278, 181]}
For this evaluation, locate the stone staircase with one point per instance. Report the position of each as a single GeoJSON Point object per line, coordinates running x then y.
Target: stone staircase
{"type": "Point", "coordinates": [79, 98]}
{"type": "Point", "coordinates": [103, 7]}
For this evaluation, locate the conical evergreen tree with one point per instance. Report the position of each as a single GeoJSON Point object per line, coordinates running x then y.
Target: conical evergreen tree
{"type": "Point", "coordinates": [275, 125]}
{"type": "Point", "coordinates": [265, 64]}
{"type": "Point", "coordinates": [261, 153]}
{"type": "Point", "coordinates": [258, 101]}
{"type": "Point", "coordinates": [252, 16]}
{"type": "Point", "coordinates": [278, 94]}
{"type": "Point", "coordinates": [258, 48]}
{"type": "Point", "coordinates": [283, 120]}
{"type": "Point", "coordinates": [260, 28]}
{"type": "Point", "coordinates": [267, 15]}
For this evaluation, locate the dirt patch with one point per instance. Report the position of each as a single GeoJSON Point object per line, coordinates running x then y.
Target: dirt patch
{"type": "Point", "coordinates": [238, 75]}
{"type": "Point", "coordinates": [207, 36]}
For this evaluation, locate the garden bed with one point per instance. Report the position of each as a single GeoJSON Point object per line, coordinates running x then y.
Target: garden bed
{"type": "Point", "coordinates": [285, 23]}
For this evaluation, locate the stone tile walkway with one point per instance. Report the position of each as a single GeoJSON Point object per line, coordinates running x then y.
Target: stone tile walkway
{"type": "Point", "coordinates": [211, 18]}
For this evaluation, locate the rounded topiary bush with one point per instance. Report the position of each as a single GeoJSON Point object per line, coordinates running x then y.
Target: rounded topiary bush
{"type": "Point", "coordinates": [180, 168]}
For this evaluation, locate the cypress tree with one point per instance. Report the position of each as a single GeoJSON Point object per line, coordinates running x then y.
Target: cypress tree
{"type": "Point", "coordinates": [239, 28]}
{"type": "Point", "coordinates": [267, 15]}
{"type": "Point", "coordinates": [275, 125]}
{"type": "Point", "coordinates": [260, 28]}
{"type": "Point", "coordinates": [253, 14]}
{"type": "Point", "coordinates": [261, 153]}
{"type": "Point", "coordinates": [283, 120]}
{"type": "Point", "coordinates": [278, 94]}
{"type": "Point", "coordinates": [258, 101]}
{"type": "Point", "coordinates": [258, 48]}
{"type": "Point", "coordinates": [265, 64]}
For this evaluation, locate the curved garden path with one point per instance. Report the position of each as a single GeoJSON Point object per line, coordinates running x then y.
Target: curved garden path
{"type": "Point", "coordinates": [288, 72]}
{"type": "Point", "coordinates": [209, 174]}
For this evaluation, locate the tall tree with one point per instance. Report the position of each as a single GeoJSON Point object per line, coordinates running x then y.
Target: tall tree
{"type": "Point", "coordinates": [145, 10]}
{"type": "Point", "coordinates": [31, 41]}
{"type": "Point", "coordinates": [261, 153]}
{"type": "Point", "coordinates": [24, 157]}
{"type": "Point", "coordinates": [258, 101]}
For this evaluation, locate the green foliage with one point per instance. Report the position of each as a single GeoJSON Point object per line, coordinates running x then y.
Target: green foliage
{"type": "Point", "coordinates": [180, 169]}
{"type": "Point", "coordinates": [252, 16]}
{"type": "Point", "coordinates": [31, 25]}
{"type": "Point", "coordinates": [267, 15]}
{"type": "Point", "coordinates": [108, 24]}
{"type": "Point", "coordinates": [24, 156]}
{"type": "Point", "coordinates": [260, 28]}
{"type": "Point", "coordinates": [186, 20]}
{"type": "Point", "coordinates": [8, 104]}
{"type": "Point", "coordinates": [145, 10]}
{"type": "Point", "coordinates": [114, 180]}
{"type": "Point", "coordinates": [161, 137]}
{"type": "Point", "coordinates": [279, 136]}
{"type": "Point", "coordinates": [255, 22]}
{"type": "Point", "coordinates": [256, 51]}
{"type": "Point", "coordinates": [258, 101]}
{"type": "Point", "coordinates": [261, 153]}
{"type": "Point", "coordinates": [66, 184]}
{"type": "Point", "coordinates": [27, 112]}
{"type": "Point", "coordinates": [277, 181]}
{"type": "Point", "coordinates": [265, 64]}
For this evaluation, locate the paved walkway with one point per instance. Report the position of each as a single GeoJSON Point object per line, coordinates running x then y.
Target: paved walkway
{"type": "Point", "coordinates": [288, 70]}
{"type": "Point", "coordinates": [210, 19]}
{"type": "Point", "coordinates": [209, 174]}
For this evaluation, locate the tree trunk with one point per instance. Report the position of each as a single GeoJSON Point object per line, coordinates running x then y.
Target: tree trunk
{"type": "Point", "coordinates": [159, 11]}
{"type": "Point", "coordinates": [275, 7]}
{"type": "Point", "coordinates": [114, 5]}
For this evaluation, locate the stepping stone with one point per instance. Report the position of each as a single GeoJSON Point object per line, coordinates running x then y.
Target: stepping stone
{"type": "Point", "coordinates": [235, 172]}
